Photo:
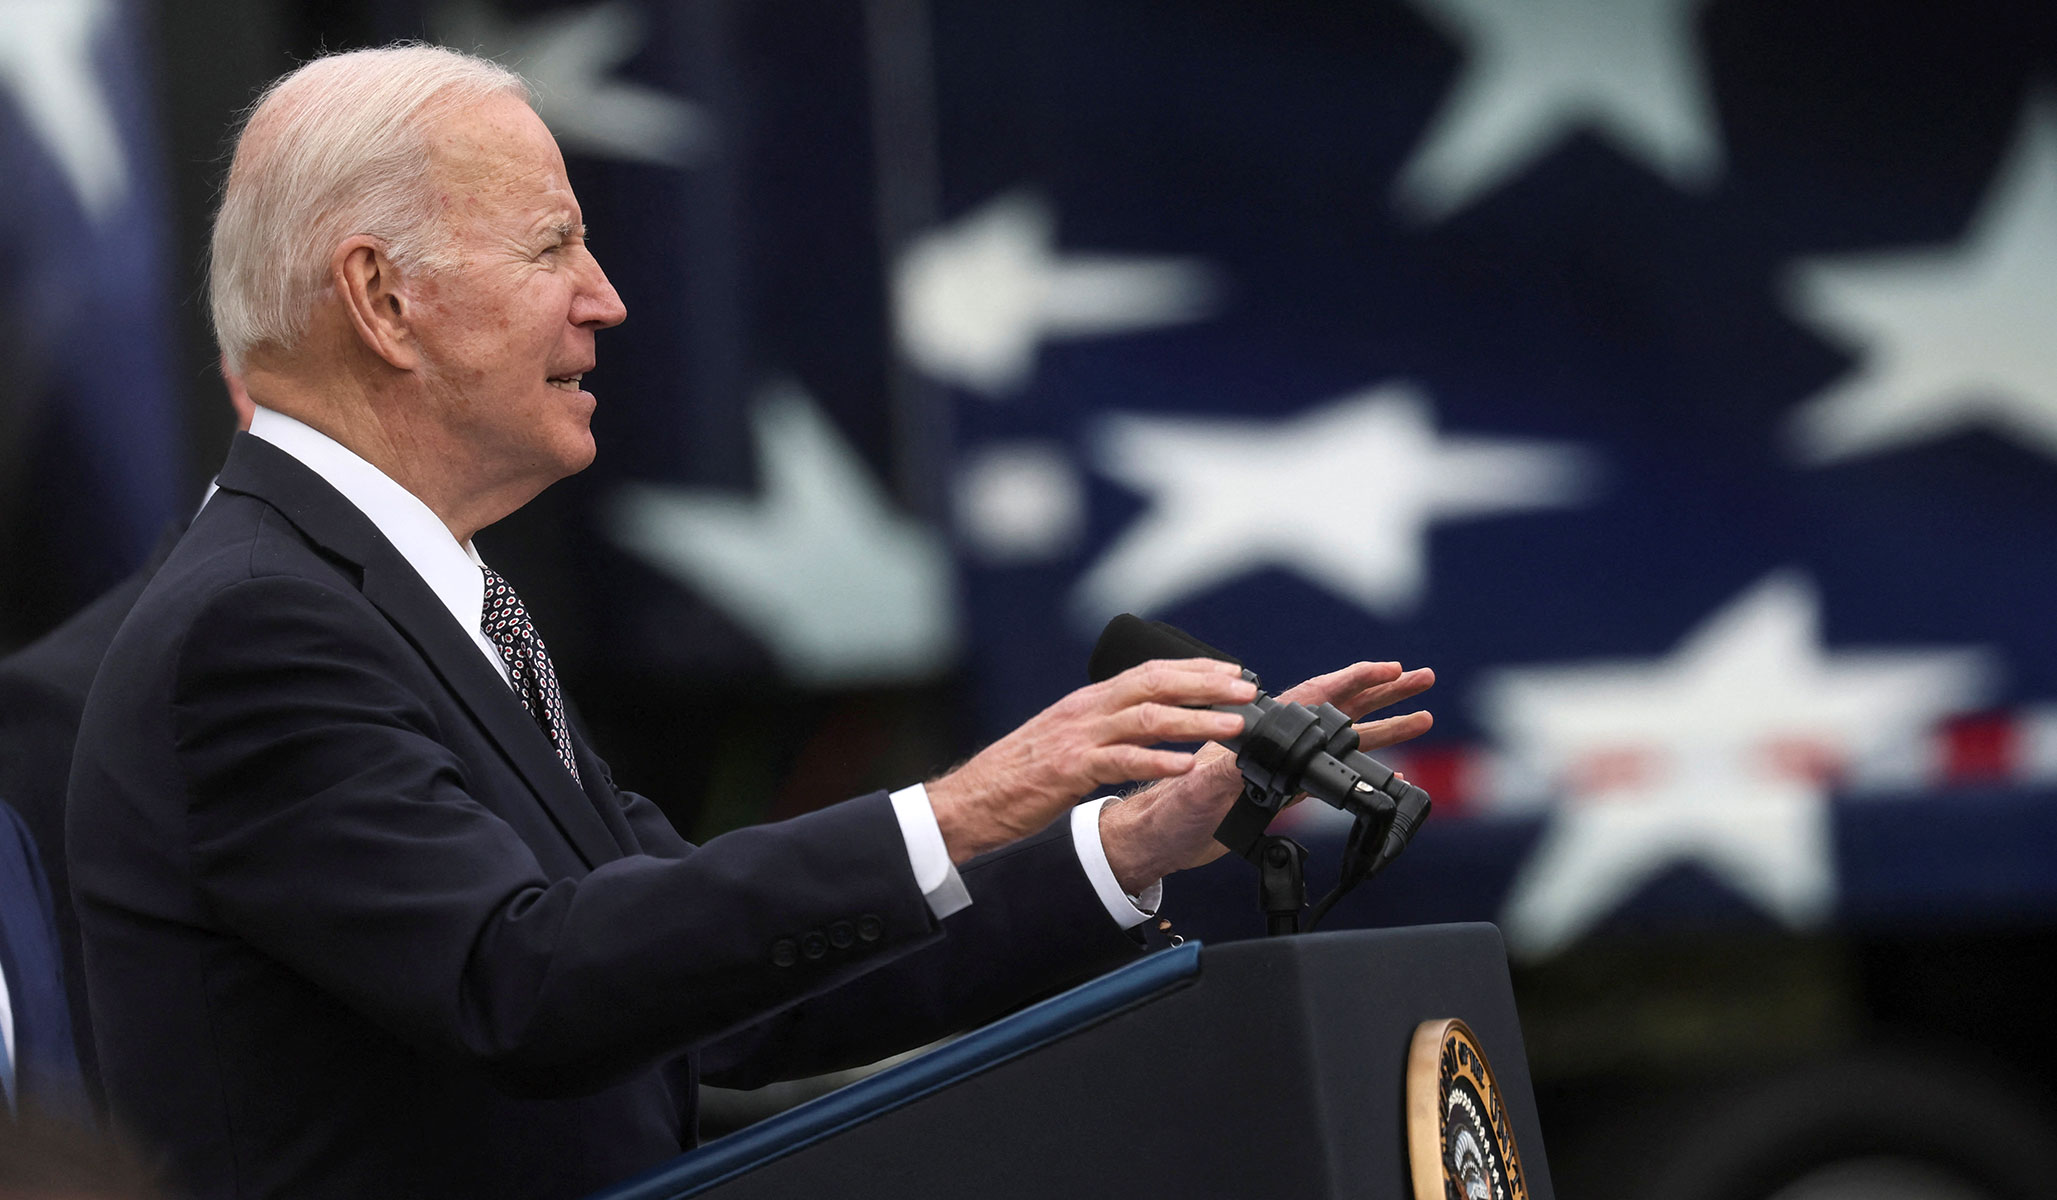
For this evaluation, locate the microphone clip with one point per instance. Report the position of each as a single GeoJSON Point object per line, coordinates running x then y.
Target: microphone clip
{"type": "Point", "coordinates": [1292, 748]}
{"type": "Point", "coordinates": [1287, 749]}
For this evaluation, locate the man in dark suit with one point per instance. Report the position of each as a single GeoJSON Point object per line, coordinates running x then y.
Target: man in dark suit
{"type": "Point", "coordinates": [363, 912]}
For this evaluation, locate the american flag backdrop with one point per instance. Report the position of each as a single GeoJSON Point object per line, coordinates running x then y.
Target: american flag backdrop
{"type": "Point", "coordinates": [1677, 377]}
{"type": "Point", "coordinates": [92, 449]}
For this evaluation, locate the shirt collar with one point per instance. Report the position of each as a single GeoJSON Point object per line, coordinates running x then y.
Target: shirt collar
{"type": "Point", "coordinates": [450, 568]}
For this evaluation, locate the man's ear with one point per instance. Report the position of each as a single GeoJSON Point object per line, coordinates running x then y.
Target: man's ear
{"type": "Point", "coordinates": [381, 309]}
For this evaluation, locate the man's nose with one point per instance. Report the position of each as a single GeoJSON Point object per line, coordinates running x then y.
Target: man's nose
{"type": "Point", "coordinates": [598, 305]}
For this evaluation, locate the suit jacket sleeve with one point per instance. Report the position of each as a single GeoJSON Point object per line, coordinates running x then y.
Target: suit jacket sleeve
{"type": "Point", "coordinates": [1035, 925]}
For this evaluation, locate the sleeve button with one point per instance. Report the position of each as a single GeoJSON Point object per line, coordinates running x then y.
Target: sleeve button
{"type": "Point", "coordinates": [870, 928]}
{"type": "Point", "coordinates": [813, 944]}
{"type": "Point", "coordinates": [841, 934]}
{"type": "Point", "coordinates": [784, 953]}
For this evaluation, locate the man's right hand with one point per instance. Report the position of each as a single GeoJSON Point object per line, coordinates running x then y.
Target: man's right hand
{"type": "Point", "coordinates": [1097, 735]}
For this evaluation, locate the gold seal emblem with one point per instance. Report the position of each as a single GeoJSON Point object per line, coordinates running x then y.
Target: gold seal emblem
{"type": "Point", "coordinates": [1459, 1144]}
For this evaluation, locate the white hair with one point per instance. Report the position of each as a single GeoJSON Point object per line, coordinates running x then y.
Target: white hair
{"type": "Point", "coordinates": [336, 148]}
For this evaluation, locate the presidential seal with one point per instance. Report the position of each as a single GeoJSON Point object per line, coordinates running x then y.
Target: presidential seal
{"type": "Point", "coordinates": [1459, 1144]}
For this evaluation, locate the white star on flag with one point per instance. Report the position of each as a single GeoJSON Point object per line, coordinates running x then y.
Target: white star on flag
{"type": "Point", "coordinates": [46, 63]}
{"type": "Point", "coordinates": [842, 588]}
{"type": "Point", "coordinates": [1344, 495]}
{"type": "Point", "coordinates": [1947, 338]}
{"type": "Point", "coordinates": [1720, 753]}
{"type": "Point", "coordinates": [568, 56]}
{"type": "Point", "coordinates": [974, 299]}
{"type": "Point", "coordinates": [1020, 502]}
{"type": "Point", "coordinates": [1538, 71]}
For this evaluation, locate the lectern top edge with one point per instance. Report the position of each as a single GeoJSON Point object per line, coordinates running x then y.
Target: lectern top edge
{"type": "Point", "coordinates": [1035, 1026]}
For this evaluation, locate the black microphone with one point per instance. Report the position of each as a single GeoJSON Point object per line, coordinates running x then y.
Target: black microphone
{"type": "Point", "coordinates": [1130, 641]}
{"type": "Point", "coordinates": [1284, 749]}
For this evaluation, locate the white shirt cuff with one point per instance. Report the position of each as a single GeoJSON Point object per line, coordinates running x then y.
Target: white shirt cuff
{"type": "Point", "coordinates": [934, 873]}
{"type": "Point", "coordinates": [1128, 911]}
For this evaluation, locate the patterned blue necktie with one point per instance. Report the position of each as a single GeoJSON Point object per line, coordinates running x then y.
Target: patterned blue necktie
{"type": "Point", "coordinates": [506, 624]}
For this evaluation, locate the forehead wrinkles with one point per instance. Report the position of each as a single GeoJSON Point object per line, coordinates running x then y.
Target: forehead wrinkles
{"type": "Point", "coordinates": [498, 159]}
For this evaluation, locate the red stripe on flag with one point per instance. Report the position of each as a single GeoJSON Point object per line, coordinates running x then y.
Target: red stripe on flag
{"type": "Point", "coordinates": [1981, 748]}
{"type": "Point", "coordinates": [1444, 772]}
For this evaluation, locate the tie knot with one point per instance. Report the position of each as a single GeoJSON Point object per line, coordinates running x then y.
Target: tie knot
{"type": "Point", "coordinates": [497, 589]}
{"type": "Point", "coordinates": [503, 617]}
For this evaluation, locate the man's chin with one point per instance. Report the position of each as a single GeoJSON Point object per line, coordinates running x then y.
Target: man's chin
{"type": "Point", "coordinates": [580, 462]}
{"type": "Point", "coordinates": [577, 452]}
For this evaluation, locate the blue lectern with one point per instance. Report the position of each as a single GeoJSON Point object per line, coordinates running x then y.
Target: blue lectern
{"type": "Point", "coordinates": [1255, 1069]}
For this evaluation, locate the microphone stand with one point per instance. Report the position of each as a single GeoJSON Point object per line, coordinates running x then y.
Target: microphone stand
{"type": "Point", "coordinates": [1281, 882]}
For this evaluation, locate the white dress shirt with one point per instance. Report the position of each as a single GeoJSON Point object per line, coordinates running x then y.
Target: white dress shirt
{"type": "Point", "coordinates": [453, 572]}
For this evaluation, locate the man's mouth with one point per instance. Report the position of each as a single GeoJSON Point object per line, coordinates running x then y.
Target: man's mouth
{"type": "Point", "coordinates": [569, 383]}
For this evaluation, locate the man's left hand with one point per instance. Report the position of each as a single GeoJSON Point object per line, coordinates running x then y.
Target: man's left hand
{"type": "Point", "coordinates": [1169, 826]}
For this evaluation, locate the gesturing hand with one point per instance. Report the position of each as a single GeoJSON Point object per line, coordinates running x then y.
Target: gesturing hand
{"type": "Point", "coordinates": [1097, 735]}
{"type": "Point", "coordinates": [1170, 826]}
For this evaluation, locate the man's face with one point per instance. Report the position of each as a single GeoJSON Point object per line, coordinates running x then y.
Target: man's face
{"type": "Point", "coordinates": [507, 332]}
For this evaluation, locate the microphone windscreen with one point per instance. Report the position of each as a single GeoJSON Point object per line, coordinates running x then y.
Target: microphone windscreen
{"type": "Point", "coordinates": [1130, 641]}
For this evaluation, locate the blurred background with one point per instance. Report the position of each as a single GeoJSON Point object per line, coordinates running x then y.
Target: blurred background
{"type": "Point", "coordinates": [1677, 377]}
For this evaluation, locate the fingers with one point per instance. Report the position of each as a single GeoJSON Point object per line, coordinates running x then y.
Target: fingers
{"type": "Point", "coordinates": [1355, 678]}
{"type": "Point", "coordinates": [1149, 722]}
{"type": "Point", "coordinates": [1371, 735]}
{"type": "Point", "coordinates": [1370, 699]}
{"type": "Point", "coordinates": [1365, 687]}
{"type": "Point", "coordinates": [1185, 681]}
{"type": "Point", "coordinates": [1165, 701]}
{"type": "Point", "coordinates": [1361, 687]}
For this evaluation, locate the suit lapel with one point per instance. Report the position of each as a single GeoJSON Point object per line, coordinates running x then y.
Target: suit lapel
{"type": "Point", "coordinates": [599, 785]}
{"type": "Point", "coordinates": [325, 517]}
{"type": "Point", "coordinates": [458, 662]}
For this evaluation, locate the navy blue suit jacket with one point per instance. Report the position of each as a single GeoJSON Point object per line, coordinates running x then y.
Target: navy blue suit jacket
{"type": "Point", "coordinates": [46, 1069]}
{"type": "Point", "coordinates": [352, 930]}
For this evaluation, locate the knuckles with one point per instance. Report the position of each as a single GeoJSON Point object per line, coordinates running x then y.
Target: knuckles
{"type": "Point", "coordinates": [1154, 676]}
